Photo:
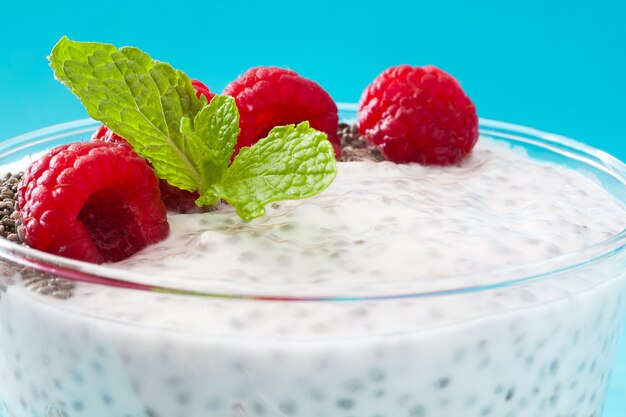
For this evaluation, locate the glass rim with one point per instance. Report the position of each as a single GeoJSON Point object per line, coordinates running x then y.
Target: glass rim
{"type": "Point", "coordinates": [498, 278]}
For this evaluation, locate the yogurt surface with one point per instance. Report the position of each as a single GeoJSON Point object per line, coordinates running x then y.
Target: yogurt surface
{"type": "Point", "coordinates": [392, 223]}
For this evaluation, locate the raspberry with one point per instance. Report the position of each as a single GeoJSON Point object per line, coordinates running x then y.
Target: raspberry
{"type": "Point", "coordinates": [202, 90]}
{"type": "Point", "coordinates": [268, 96]}
{"type": "Point", "coordinates": [175, 199]}
{"type": "Point", "coordinates": [418, 114]}
{"type": "Point", "coordinates": [105, 135]}
{"type": "Point", "coordinates": [91, 201]}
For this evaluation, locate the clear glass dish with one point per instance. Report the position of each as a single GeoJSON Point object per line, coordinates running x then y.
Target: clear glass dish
{"type": "Point", "coordinates": [545, 350]}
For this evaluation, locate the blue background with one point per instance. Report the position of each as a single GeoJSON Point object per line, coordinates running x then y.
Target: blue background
{"type": "Point", "coordinates": [557, 65]}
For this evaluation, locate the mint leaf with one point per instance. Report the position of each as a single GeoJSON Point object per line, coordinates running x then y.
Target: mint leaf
{"type": "Point", "coordinates": [292, 162]}
{"type": "Point", "coordinates": [140, 99]}
{"type": "Point", "coordinates": [210, 139]}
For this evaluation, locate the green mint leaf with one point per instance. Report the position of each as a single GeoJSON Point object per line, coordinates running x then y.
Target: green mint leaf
{"type": "Point", "coordinates": [140, 99]}
{"type": "Point", "coordinates": [210, 139]}
{"type": "Point", "coordinates": [292, 162]}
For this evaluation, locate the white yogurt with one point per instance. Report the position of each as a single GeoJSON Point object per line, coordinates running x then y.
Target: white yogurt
{"type": "Point", "coordinates": [389, 222]}
{"type": "Point", "coordinates": [542, 348]}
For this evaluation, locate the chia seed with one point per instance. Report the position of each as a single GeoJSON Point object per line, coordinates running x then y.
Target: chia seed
{"type": "Point", "coordinates": [11, 229]}
{"type": "Point", "coordinates": [9, 214]}
{"type": "Point", "coordinates": [355, 147]}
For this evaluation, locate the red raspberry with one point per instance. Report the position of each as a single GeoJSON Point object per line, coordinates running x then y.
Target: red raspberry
{"type": "Point", "coordinates": [103, 134]}
{"type": "Point", "coordinates": [418, 115]}
{"type": "Point", "coordinates": [91, 201]}
{"type": "Point", "coordinates": [175, 199]}
{"type": "Point", "coordinates": [268, 96]}
{"type": "Point", "coordinates": [202, 90]}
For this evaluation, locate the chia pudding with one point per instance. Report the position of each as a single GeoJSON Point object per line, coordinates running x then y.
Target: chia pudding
{"type": "Point", "coordinates": [490, 288]}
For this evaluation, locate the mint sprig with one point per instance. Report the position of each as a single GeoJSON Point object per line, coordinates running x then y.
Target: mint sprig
{"type": "Point", "coordinates": [291, 163]}
{"type": "Point", "coordinates": [189, 142]}
{"type": "Point", "coordinates": [209, 139]}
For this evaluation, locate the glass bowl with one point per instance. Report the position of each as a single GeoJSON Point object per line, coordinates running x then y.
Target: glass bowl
{"type": "Point", "coordinates": [538, 340]}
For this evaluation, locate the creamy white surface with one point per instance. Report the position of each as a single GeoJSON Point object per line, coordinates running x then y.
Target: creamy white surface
{"type": "Point", "coordinates": [388, 222]}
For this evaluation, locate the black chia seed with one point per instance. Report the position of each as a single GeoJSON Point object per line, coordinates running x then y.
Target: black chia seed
{"type": "Point", "coordinates": [11, 229]}
{"type": "Point", "coordinates": [345, 403]}
{"type": "Point", "coordinates": [355, 147]}
{"type": "Point", "coordinates": [442, 383]}
{"type": "Point", "coordinates": [510, 393]}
